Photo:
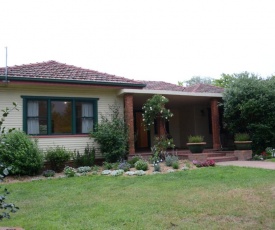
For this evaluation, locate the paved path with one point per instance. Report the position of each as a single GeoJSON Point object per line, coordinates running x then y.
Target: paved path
{"type": "Point", "coordinates": [253, 164]}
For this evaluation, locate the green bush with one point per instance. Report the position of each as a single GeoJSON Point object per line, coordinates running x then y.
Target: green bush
{"type": "Point", "coordinates": [48, 173]}
{"type": "Point", "coordinates": [141, 165]}
{"type": "Point", "coordinates": [112, 136]}
{"type": "Point", "coordinates": [133, 160]}
{"type": "Point", "coordinates": [195, 139]}
{"type": "Point", "coordinates": [169, 160]}
{"type": "Point", "coordinates": [69, 171]}
{"type": "Point", "coordinates": [87, 159]}
{"type": "Point", "coordinates": [22, 153]}
{"type": "Point", "coordinates": [157, 168]}
{"type": "Point", "coordinates": [175, 165]}
{"type": "Point", "coordinates": [84, 169]}
{"type": "Point", "coordinates": [57, 157]}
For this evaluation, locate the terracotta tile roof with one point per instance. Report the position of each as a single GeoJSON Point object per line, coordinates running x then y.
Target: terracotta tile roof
{"type": "Point", "coordinates": [198, 88]}
{"type": "Point", "coordinates": [204, 88]}
{"type": "Point", "coordinates": [52, 70]}
{"type": "Point", "coordinates": [161, 85]}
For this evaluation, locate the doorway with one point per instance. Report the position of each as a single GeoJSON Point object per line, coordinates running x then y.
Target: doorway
{"type": "Point", "coordinates": [142, 136]}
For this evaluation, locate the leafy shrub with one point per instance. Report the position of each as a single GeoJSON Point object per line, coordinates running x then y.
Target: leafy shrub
{"type": "Point", "coordinates": [4, 171]}
{"type": "Point", "coordinates": [49, 173]}
{"type": "Point", "coordinates": [125, 166]}
{"type": "Point", "coordinates": [95, 168]}
{"type": "Point", "coordinates": [270, 152]}
{"type": "Point", "coordinates": [112, 135]}
{"type": "Point", "coordinates": [107, 165]}
{"type": "Point", "coordinates": [117, 172]}
{"type": "Point", "coordinates": [141, 165]}
{"type": "Point", "coordinates": [157, 168]}
{"type": "Point", "coordinates": [22, 153]}
{"type": "Point", "coordinates": [69, 171]}
{"type": "Point", "coordinates": [162, 143]}
{"type": "Point", "coordinates": [57, 157]}
{"type": "Point", "coordinates": [87, 159]}
{"type": "Point", "coordinates": [175, 165]}
{"type": "Point", "coordinates": [84, 169]}
{"type": "Point", "coordinates": [195, 139]}
{"type": "Point", "coordinates": [133, 160]}
{"type": "Point", "coordinates": [204, 163]}
{"type": "Point", "coordinates": [169, 160]}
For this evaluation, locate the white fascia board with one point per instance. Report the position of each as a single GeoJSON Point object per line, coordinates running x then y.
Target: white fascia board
{"type": "Point", "coordinates": [169, 92]}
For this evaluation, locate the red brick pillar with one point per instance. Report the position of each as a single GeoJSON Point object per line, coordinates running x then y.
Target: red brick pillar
{"type": "Point", "coordinates": [129, 119]}
{"type": "Point", "coordinates": [215, 123]}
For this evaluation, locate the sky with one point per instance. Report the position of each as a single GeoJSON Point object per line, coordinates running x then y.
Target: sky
{"type": "Point", "coordinates": [158, 40]}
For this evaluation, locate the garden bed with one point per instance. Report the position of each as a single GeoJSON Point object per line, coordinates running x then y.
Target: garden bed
{"type": "Point", "coordinates": [183, 165]}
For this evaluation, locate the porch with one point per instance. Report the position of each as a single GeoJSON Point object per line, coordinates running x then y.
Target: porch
{"type": "Point", "coordinates": [194, 114]}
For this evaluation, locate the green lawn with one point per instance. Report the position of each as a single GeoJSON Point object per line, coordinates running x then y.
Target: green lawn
{"type": "Point", "coordinates": [206, 198]}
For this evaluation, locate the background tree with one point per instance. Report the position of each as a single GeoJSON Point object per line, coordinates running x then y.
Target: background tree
{"type": "Point", "coordinates": [197, 80]}
{"type": "Point", "coordinates": [225, 80]}
{"type": "Point", "coordinates": [249, 106]}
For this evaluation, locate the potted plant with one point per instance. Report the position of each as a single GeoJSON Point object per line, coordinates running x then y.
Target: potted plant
{"type": "Point", "coordinates": [196, 143]}
{"type": "Point", "coordinates": [242, 141]}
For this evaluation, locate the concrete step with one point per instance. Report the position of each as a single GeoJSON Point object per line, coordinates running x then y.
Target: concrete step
{"type": "Point", "coordinates": [223, 158]}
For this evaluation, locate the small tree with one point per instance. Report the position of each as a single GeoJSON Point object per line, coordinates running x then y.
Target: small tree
{"type": "Point", "coordinates": [112, 135]}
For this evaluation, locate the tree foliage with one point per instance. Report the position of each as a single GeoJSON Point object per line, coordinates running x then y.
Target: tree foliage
{"type": "Point", "coordinates": [225, 80]}
{"type": "Point", "coordinates": [198, 80]}
{"type": "Point", "coordinates": [112, 135]}
{"type": "Point", "coordinates": [249, 106]}
{"type": "Point", "coordinates": [154, 108]}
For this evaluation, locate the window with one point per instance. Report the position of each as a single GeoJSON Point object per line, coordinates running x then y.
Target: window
{"type": "Point", "coordinates": [53, 116]}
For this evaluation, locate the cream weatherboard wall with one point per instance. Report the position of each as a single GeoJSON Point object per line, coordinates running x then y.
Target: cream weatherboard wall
{"type": "Point", "coordinates": [12, 93]}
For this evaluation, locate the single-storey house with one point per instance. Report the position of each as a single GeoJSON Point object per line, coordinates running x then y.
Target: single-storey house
{"type": "Point", "coordinates": [59, 104]}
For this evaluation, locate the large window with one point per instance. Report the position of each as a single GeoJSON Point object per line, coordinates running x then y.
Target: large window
{"type": "Point", "coordinates": [53, 116]}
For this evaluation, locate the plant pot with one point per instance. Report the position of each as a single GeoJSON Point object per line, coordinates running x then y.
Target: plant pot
{"type": "Point", "coordinates": [243, 145]}
{"type": "Point", "coordinates": [196, 147]}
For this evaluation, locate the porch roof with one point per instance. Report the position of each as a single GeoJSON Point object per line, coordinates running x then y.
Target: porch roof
{"type": "Point", "coordinates": [176, 98]}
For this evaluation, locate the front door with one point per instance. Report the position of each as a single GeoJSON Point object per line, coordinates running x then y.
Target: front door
{"type": "Point", "coordinates": [142, 136]}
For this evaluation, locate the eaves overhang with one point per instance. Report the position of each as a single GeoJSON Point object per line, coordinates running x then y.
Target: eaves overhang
{"type": "Point", "coordinates": [170, 92]}
{"type": "Point", "coordinates": [69, 81]}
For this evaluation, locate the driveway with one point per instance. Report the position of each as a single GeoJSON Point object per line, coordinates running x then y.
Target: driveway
{"type": "Point", "coordinates": [252, 164]}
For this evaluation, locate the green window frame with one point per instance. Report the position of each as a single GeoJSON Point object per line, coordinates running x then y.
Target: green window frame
{"type": "Point", "coordinates": [44, 115]}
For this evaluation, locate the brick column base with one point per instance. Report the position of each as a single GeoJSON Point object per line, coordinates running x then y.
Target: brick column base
{"type": "Point", "coordinates": [129, 119]}
{"type": "Point", "coordinates": [215, 124]}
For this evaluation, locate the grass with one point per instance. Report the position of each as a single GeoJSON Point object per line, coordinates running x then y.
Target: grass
{"type": "Point", "coordinates": [207, 198]}
{"type": "Point", "coordinates": [271, 160]}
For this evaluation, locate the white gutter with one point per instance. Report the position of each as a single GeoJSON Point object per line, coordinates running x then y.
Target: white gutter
{"type": "Point", "coordinates": [168, 92]}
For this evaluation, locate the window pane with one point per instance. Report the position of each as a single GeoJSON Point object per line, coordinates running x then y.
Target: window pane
{"type": "Point", "coordinates": [37, 117]}
{"type": "Point", "coordinates": [61, 112]}
{"type": "Point", "coordinates": [84, 117]}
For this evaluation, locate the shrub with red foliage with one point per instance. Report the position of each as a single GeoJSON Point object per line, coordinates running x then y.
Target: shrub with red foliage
{"type": "Point", "coordinates": [206, 163]}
